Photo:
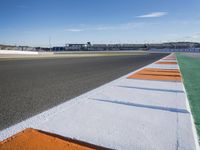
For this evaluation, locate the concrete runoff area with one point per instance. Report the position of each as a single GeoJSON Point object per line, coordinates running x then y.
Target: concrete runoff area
{"type": "Point", "coordinates": [127, 113]}
{"type": "Point", "coordinates": [29, 87]}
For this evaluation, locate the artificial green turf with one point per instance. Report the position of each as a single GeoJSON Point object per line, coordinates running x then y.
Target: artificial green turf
{"type": "Point", "coordinates": [190, 69]}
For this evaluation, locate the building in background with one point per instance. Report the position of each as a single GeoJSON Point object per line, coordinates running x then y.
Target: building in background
{"type": "Point", "coordinates": [77, 47]}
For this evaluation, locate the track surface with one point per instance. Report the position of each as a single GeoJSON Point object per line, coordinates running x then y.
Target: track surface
{"type": "Point", "coordinates": [28, 87]}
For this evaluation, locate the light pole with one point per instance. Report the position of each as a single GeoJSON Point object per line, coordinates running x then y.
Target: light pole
{"type": "Point", "coordinates": [50, 43]}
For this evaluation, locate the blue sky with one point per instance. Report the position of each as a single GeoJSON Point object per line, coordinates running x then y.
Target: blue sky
{"type": "Point", "coordinates": [34, 22]}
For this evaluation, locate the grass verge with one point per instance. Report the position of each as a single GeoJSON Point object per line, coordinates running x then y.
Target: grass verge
{"type": "Point", "coordinates": [190, 69]}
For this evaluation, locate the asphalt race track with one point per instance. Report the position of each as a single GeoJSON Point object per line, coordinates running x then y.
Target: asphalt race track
{"type": "Point", "coordinates": [28, 87]}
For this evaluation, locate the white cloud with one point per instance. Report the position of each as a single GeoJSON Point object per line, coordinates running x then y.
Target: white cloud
{"type": "Point", "coordinates": [153, 15]}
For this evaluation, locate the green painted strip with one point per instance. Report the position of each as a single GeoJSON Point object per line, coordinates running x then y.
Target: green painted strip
{"type": "Point", "coordinates": [190, 69]}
